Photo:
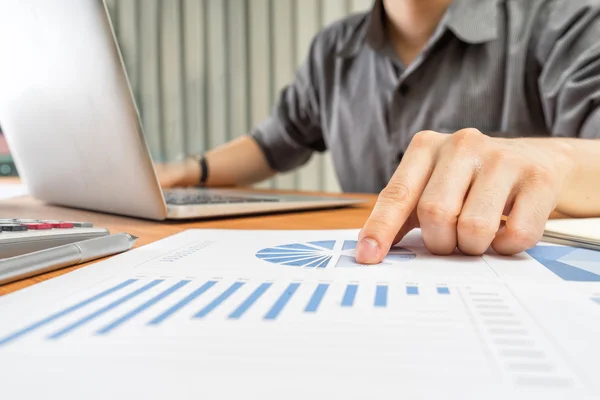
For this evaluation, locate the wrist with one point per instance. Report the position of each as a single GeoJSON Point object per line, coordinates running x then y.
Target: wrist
{"type": "Point", "coordinates": [564, 156]}
{"type": "Point", "coordinates": [190, 172]}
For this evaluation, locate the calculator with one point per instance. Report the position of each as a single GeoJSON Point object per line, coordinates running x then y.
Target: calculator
{"type": "Point", "coordinates": [20, 236]}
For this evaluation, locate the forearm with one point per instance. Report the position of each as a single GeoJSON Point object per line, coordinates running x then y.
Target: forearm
{"type": "Point", "coordinates": [239, 162]}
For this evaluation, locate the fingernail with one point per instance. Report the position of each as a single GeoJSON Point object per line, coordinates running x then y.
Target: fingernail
{"type": "Point", "coordinates": [367, 251]}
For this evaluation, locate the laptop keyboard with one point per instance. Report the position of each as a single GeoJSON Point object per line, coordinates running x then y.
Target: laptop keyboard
{"type": "Point", "coordinates": [197, 197]}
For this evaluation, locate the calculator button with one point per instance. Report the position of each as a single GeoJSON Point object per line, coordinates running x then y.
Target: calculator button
{"type": "Point", "coordinates": [12, 227]}
{"type": "Point", "coordinates": [38, 226]}
{"type": "Point", "coordinates": [59, 224]}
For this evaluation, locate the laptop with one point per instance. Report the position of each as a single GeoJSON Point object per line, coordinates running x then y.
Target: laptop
{"type": "Point", "coordinates": [68, 114]}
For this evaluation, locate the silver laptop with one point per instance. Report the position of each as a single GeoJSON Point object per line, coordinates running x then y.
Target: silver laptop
{"type": "Point", "coordinates": [69, 117]}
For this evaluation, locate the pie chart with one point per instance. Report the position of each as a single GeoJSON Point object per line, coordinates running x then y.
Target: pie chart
{"type": "Point", "coordinates": [395, 255]}
{"type": "Point", "coordinates": [309, 254]}
{"type": "Point", "coordinates": [320, 254]}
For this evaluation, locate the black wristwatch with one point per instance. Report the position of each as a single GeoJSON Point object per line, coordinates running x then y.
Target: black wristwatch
{"type": "Point", "coordinates": [201, 160]}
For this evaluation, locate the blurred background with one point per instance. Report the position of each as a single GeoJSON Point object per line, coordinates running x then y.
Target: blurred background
{"type": "Point", "coordinates": [206, 71]}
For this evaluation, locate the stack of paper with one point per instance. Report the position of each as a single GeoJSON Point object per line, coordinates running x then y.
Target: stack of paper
{"type": "Point", "coordinates": [582, 232]}
{"type": "Point", "coordinates": [210, 314]}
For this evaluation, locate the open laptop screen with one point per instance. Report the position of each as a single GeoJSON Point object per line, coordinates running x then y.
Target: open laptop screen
{"type": "Point", "coordinates": [7, 167]}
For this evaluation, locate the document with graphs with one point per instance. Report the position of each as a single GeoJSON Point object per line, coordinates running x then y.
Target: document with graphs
{"type": "Point", "coordinates": [223, 314]}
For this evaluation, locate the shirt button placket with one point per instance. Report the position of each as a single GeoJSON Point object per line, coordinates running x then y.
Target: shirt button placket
{"type": "Point", "coordinates": [404, 90]}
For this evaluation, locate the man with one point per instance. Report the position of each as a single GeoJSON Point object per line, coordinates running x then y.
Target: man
{"type": "Point", "coordinates": [459, 112]}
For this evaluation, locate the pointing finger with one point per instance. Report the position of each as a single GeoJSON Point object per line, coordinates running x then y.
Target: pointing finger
{"type": "Point", "coordinates": [399, 198]}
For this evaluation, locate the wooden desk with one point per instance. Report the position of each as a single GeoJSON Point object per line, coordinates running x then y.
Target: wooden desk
{"type": "Point", "coordinates": [150, 231]}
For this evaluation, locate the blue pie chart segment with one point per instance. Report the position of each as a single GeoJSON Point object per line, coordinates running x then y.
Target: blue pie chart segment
{"type": "Point", "coordinates": [315, 254]}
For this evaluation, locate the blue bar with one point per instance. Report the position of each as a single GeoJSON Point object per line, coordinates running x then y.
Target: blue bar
{"type": "Point", "coordinates": [315, 300]}
{"type": "Point", "coordinates": [282, 301]}
{"type": "Point", "coordinates": [189, 298]}
{"type": "Point", "coordinates": [141, 308]}
{"type": "Point", "coordinates": [381, 296]}
{"type": "Point", "coordinates": [412, 290]}
{"type": "Point", "coordinates": [259, 291]}
{"type": "Point", "coordinates": [104, 309]}
{"type": "Point", "coordinates": [443, 290]}
{"type": "Point", "coordinates": [349, 295]}
{"type": "Point", "coordinates": [216, 302]}
{"type": "Point", "coordinates": [64, 312]}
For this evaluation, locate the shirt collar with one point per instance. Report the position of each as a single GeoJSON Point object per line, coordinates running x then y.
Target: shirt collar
{"type": "Point", "coordinates": [472, 21]}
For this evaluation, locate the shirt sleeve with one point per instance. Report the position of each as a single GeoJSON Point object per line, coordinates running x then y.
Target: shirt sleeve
{"type": "Point", "coordinates": [568, 52]}
{"type": "Point", "coordinates": [293, 131]}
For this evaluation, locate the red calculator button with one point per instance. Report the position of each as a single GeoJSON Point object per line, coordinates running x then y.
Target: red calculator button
{"type": "Point", "coordinates": [38, 226]}
{"type": "Point", "coordinates": [59, 224]}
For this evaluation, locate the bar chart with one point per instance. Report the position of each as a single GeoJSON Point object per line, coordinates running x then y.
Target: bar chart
{"type": "Point", "coordinates": [154, 302]}
{"type": "Point", "coordinates": [143, 312]}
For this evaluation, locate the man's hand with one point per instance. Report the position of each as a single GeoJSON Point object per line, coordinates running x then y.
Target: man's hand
{"type": "Point", "coordinates": [235, 163]}
{"type": "Point", "coordinates": [457, 189]}
{"type": "Point", "coordinates": [179, 173]}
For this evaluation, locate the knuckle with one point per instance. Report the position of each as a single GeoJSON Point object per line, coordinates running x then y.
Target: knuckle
{"type": "Point", "coordinates": [467, 136]}
{"type": "Point", "coordinates": [476, 227]}
{"type": "Point", "coordinates": [466, 141]}
{"type": "Point", "coordinates": [423, 139]}
{"type": "Point", "coordinates": [395, 192]}
{"type": "Point", "coordinates": [524, 238]}
{"type": "Point", "coordinates": [435, 212]}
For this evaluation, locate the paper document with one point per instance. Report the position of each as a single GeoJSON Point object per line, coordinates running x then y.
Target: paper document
{"type": "Point", "coordinates": [583, 232]}
{"type": "Point", "coordinates": [216, 314]}
{"type": "Point", "coordinates": [9, 191]}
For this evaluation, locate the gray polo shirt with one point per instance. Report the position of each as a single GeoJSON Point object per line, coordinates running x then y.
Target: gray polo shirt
{"type": "Point", "coordinates": [510, 68]}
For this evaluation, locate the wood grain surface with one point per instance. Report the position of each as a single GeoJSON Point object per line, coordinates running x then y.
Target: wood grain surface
{"type": "Point", "coordinates": [150, 231]}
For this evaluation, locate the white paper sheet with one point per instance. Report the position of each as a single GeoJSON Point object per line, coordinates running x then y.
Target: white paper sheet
{"type": "Point", "coordinates": [581, 232]}
{"type": "Point", "coordinates": [9, 191]}
{"type": "Point", "coordinates": [287, 314]}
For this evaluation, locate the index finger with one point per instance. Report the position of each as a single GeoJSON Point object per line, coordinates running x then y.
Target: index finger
{"type": "Point", "coordinates": [398, 199]}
